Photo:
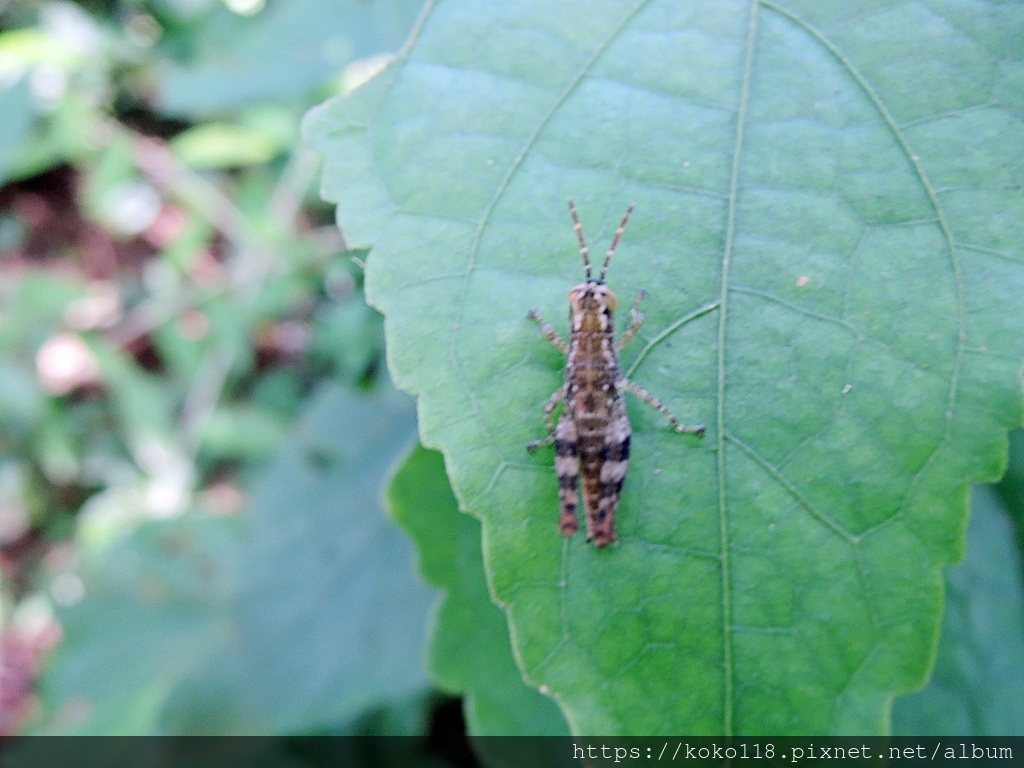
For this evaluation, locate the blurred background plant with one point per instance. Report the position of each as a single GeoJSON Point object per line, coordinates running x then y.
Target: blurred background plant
{"type": "Point", "coordinates": [174, 297]}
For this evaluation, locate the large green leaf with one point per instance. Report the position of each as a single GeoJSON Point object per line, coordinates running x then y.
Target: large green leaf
{"type": "Point", "coordinates": [829, 220]}
{"type": "Point", "coordinates": [328, 619]}
{"type": "Point", "coordinates": [978, 684]}
{"type": "Point", "coordinates": [153, 612]}
{"type": "Point", "coordinates": [303, 623]}
{"type": "Point", "coordinates": [469, 653]}
{"type": "Point", "coordinates": [282, 54]}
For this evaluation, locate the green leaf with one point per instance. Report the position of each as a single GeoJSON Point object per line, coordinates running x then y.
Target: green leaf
{"type": "Point", "coordinates": [350, 337]}
{"type": "Point", "coordinates": [1011, 487]}
{"type": "Point", "coordinates": [829, 221]}
{"type": "Point", "coordinates": [242, 431]}
{"type": "Point", "coordinates": [281, 54]}
{"type": "Point", "coordinates": [308, 619]}
{"type": "Point", "coordinates": [222, 145]}
{"type": "Point", "coordinates": [16, 127]}
{"type": "Point", "coordinates": [470, 653]}
{"type": "Point", "coordinates": [328, 619]}
{"type": "Point", "coordinates": [153, 612]}
{"type": "Point", "coordinates": [977, 687]}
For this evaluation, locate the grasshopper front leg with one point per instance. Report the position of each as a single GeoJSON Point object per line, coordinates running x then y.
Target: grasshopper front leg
{"type": "Point", "coordinates": [548, 331]}
{"type": "Point", "coordinates": [636, 319]}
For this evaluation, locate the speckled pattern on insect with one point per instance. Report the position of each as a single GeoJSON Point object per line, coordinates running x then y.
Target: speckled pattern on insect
{"type": "Point", "coordinates": [593, 433]}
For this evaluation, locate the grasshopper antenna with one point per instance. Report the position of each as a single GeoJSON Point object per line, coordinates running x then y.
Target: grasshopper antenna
{"type": "Point", "coordinates": [615, 242]}
{"type": "Point", "coordinates": [584, 251]}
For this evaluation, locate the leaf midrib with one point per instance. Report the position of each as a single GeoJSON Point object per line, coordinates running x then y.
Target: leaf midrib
{"type": "Point", "coordinates": [723, 312]}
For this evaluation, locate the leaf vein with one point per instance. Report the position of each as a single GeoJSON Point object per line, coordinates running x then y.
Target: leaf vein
{"type": "Point", "coordinates": [943, 219]}
{"type": "Point", "coordinates": [668, 331]}
{"type": "Point", "coordinates": [795, 492]}
{"type": "Point", "coordinates": [992, 252]}
{"type": "Point", "coordinates": [723, 303]}
{"type": "Point", "coordinates": [798, 309]}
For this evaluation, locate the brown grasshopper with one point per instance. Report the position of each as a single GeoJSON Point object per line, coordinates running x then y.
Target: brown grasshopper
{"type": "Point", "coordinates": [593, 433]}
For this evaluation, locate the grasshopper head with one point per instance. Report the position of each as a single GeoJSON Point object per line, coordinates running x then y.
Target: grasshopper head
{"type": "Point", "coordinates": [590, 297]}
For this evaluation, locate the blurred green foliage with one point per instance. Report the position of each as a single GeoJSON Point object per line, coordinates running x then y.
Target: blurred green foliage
{"type": "Point", "coordinates": [195, 422]}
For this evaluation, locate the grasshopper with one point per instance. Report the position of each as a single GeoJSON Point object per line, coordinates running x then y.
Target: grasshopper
{"type": "Point", "coordinates": [593, 433]}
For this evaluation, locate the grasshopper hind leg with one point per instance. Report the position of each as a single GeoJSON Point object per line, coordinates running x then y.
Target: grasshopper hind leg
{"type": "Point", "coordinates": [567, 467]}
